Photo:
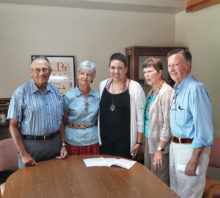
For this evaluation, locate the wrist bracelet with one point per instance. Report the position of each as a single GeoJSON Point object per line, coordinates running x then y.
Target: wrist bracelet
{"type": "Point", "coordinates": [139, 143]}
{"type": "Point", "coordinates": [63, 144]}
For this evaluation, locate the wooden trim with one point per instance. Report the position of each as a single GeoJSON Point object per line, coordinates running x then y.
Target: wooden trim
{"type": "Point", "coordinates": [4, 103]}
{"type": "Point", "coordinates": [133, 53]}
{"type": "Point", "coordinates": [193, 5]}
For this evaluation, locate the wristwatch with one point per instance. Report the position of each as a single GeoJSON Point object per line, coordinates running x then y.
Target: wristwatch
{"type": "Point", "coordinates": [160, 149]}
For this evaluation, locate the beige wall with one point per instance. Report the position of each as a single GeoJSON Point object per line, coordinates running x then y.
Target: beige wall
{"type": "Point", "coordinates": [96, 34]}
{"type": "Point", "coordinates": [86, 34]}
{"type": "Point", "coordinates": [200, 31]}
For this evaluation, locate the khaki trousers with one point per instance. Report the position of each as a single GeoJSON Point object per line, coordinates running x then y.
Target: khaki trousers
{"type": "Point", "coordinates": [187, 186]}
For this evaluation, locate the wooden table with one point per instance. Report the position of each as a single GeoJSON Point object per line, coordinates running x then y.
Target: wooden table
{"type": "Point", "coordinates": [70, 178]}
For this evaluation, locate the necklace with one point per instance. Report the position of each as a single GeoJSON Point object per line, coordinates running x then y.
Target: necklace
{"type": "Point", "coordinates": [112, 106]}
{"type": "Point", "coordinates": [158, 88]}
{"type": "Point", "coordinates": [147, 107]}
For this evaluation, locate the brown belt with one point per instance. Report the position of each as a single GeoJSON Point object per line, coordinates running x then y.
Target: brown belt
{"type": "Point", "coordinates": [181, 140]}
{"type": "Point", "coordinates": [80, 126]}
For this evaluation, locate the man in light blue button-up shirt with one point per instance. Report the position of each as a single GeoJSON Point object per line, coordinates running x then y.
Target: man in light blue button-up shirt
{"type": "Point", "coordinates": [35, 113]}
{"type": "Point", "coordinates": [191, 127]}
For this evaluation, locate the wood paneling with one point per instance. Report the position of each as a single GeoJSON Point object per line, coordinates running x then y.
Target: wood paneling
{"type": "Point", "coordinates": [193, 5]}
{"type": "Point", "coordinates": [133, 53]}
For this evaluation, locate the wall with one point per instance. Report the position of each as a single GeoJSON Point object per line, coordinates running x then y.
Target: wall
{"type": "Point", "coordinates": [200, 31]}
{"type": "Point", "coordinates": [96, 34]}
{"type": "Point", "coordinates": [87, 34]}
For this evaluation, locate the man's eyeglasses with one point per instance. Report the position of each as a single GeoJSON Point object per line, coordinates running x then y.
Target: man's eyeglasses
{"type": "Point", "coordinates": [44, 70]}
{"type": "Point", "coordinates": [173, 105]}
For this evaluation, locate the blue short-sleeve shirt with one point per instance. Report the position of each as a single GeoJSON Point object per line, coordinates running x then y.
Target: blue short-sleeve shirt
{"type": "Point", "coordinates": [38, 112]}
{"type": "Point", "coordinates": [81, 114]}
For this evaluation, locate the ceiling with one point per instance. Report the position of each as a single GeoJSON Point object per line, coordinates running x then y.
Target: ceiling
{"type": "Point", "coordinates": [158, 6]}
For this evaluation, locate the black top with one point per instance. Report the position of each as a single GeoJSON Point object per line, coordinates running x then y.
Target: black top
{"type": "Point", "coordinates": [115, 124]}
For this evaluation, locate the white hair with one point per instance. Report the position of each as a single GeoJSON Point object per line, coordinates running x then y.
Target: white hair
{"type": "Point", "coordinates": [41, 58]}
{"type": "Point", "coordinates": [87, 65]}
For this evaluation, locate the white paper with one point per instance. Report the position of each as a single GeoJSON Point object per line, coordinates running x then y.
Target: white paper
{"type": "Point", "coordinates": [95, 162]}
{"type": "Point", "coordinates": [181, 168]}
{"type": "Point", "coordinates": [124, 163]}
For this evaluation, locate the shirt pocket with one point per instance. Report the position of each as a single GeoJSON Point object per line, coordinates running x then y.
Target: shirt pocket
{"type": "Point", "coordinates": [181, 115]}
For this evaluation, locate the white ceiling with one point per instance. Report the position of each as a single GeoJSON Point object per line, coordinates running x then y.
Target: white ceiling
{"type": "Point", "coordinates": [162, 6]}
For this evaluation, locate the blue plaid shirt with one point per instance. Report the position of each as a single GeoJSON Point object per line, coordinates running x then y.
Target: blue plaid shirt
{"type": "Point", "coordinates": [38, 112]}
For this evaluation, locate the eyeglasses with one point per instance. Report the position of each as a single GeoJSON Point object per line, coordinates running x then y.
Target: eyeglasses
{"type": "Point", "coordinates": [44, 70]}
{"type": "Point", "coordinates": [86, 74]}
{"type": "Point", "coordinates": [173, 105]}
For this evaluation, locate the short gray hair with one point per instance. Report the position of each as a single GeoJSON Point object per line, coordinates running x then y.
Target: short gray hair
{"type": "Point", "coordinates": [87, 65]}
{"type": "Point", "coordinates": [185, 53]}
{"type": "Point", "coordinates": [41, 58]}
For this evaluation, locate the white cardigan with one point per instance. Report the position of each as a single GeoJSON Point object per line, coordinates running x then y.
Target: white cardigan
{"type": "Point", "coordinates": [137, 102]}
{"type": "Point", "coordinates": [159, 119]}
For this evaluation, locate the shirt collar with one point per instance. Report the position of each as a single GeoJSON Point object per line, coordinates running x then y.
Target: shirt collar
{"type": "Point", "coordinates": [35, 89]}
{"type": "Point", "coordinates": [183, 83]}
{"type": "Point", "coordinates": [79, 93]}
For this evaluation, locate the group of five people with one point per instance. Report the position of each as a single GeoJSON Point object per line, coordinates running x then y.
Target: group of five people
{"type": "Point", "coordinates": [118, 119]}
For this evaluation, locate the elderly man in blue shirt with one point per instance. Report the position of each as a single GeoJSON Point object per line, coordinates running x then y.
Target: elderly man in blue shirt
{"type": "Point", "coordinates": [191, 127]}
{"type": "Point", "coordinates": [35, 113]}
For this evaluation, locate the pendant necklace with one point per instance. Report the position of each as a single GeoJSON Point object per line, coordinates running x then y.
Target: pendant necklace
{"type": "Point", "coordinates": [112, 106]}
{"type": "Point", "coordinates": [147, 107]}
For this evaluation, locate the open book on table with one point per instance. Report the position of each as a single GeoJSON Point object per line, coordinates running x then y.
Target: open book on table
{"type": "Point", "coordinates": [101, 161]}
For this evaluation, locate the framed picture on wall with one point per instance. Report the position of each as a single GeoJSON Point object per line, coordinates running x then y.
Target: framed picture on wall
{"type": "Point", "coordinates": [63, 72]}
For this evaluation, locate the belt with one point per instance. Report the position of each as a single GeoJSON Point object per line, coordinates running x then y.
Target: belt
{"type": "Point", "coordinates": [39, 137]}
{"type": "Point", "coordinates": [181, 140]}
{"type": "Point", "coordinates": [80, 126]}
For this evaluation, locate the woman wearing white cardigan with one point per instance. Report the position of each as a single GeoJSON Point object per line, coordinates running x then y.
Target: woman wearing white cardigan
{"type": "Point", "coordinates": [121, 111]}
{"type": "Point", "coordinates": [156, 120]}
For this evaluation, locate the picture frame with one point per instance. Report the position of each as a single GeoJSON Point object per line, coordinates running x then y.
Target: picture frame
{"type": "Point", "coordinates": [63, 72]}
